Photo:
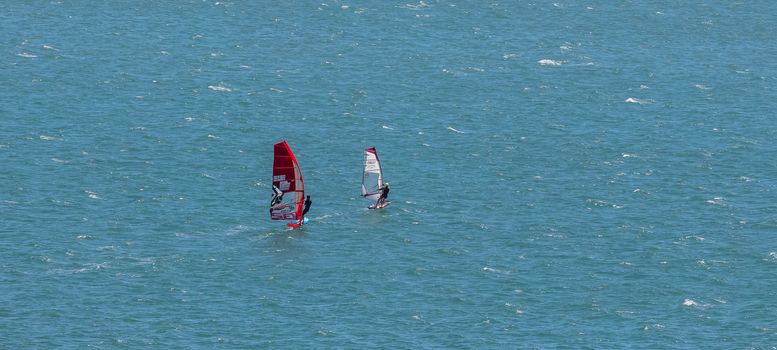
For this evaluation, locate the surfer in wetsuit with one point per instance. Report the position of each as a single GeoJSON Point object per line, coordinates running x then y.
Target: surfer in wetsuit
{"type": "Point", "coordinates": [308, 202]}
{"type": "Point", "coordinates": [384, 191]}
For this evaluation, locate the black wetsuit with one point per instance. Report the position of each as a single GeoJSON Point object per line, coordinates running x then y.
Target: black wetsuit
{"type": "Point", "coordinates": [308, 202]}
{"type": "Point", "coordinates": [384, 194]}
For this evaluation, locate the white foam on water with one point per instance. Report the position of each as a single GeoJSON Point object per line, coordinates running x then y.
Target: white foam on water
{"type": "Point", "coordinates": [638, 101]}
{"type": "Point", "coordinates": [716, 201]}
{"type": "Point", "coordinates": [48, 138]}
{"type": "Point", "coordinates": [421, 5]}
{"type": "Point", "coordinates": [693, 303]}
{"type": "Point", "coordinates": [219, 88]}
{"type": "Point", "coordinates": [490, 269]}
{"type": "Point", "coordinates": [549, 62]}
{"type": "Point", "coordinates": [87, 268]}
{"type": "Point", "coordinates": [653, 326]}
{"type": "Point", "coordinates": [454, 130]}
{"type": "Point", "coordinates": [701, 87]}
{"type": "Point", "coordinates": [237, 230]}
{"type": "Point", "coordinates": [92, 195]}
{"type": "Point", "coordinates": [26, 55]}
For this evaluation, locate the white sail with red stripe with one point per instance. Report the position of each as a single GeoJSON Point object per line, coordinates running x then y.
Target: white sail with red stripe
{"type": "Point", "coordinates": [372, 180]}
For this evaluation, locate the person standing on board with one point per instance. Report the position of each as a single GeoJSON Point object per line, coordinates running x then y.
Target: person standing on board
{"type": "Point", "coordinates": [384, 191]}
{"type": "Point", "coordinates": [308, 202]}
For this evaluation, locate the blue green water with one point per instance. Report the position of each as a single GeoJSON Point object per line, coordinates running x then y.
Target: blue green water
{"type": "Point", "coordinates": [578, 175]}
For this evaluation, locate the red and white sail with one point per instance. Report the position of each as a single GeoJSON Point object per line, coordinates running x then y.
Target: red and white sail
{"type": "Point", "coordinates": [372, 180]}
{"type": "Point", "coordinates": [288, 188]}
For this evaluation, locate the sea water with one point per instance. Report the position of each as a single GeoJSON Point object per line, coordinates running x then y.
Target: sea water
{"type": "Point", "coordinates": [569, 174]}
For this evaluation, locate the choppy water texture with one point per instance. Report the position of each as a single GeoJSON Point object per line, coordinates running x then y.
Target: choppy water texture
{"type": "Point", "coordinates": [580, 174]}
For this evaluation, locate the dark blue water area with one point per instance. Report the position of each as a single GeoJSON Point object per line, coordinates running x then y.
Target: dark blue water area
{"type": "Point", "coordinates": [564, 175]}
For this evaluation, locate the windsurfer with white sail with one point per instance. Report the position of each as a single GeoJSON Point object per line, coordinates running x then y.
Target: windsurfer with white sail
{"type": "Point", "coordinates": [384, 191]}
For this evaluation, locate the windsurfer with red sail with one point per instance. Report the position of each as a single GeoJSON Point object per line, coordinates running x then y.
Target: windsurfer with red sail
{"type": "Point", "coordinates": [308, 202]}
